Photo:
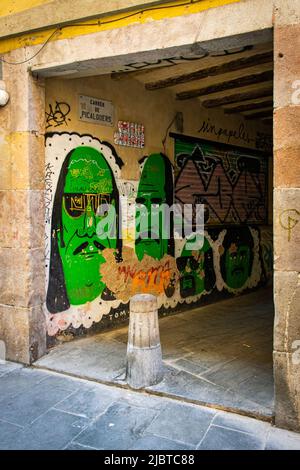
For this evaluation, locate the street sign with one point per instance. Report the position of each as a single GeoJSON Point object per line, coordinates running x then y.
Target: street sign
{"type": "Point", "coordinates": [96, 110]}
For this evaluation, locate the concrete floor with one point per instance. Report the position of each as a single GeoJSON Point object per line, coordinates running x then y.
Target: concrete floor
{"type": "Point", "coordinates": [219, 355]}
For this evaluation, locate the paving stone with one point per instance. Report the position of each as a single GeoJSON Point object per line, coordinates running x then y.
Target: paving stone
{"type": "Point", "coordinates": [242, 423]}
{"type": "Point", "coordinates": [189, 366]}
{"type": "Point", "coordinates": [51, 431]}
{"type": "Point", "coordinates": [207, 356]}
{"type": "Point", "coordinates": [143, 400]}
{"type": "Point", "coordinates": [159, 443]}
{"type": "Point", "coordinates": [61, 381]}
{"type": "Point", "coordinates": [219, 438]}
{"type": "Point", "coordinates": [26, 406]}
{"type": "Point", "coordinates": [173, 383]}
{"type": "Point", "coordinates": [118, 428]}
{"type": "Point", "coordinates": [89, 401]}
{"type": "Point", "coordinates": [280, 439]}
{"type": "Point", "coordinates": [231, 374]}
{"type": "Point", "coordinates": [259, 388]}
{"type": "Point", "coordinates": [75, 446]}
{"type": "Point", "coordinates": [19, 381]}
{"type": "Point", "coordinates": [188, 386]}
{"type": "Point", "coordinates": [183, 423]}
{"type": "Point", "coordinates": [94, 357]}
{"type": "Point", "coordinates": [7, 433]}
{"type": "Point", "coordinates": [7, 366]}
{"type": "Point", "coordinates": [233, 399]}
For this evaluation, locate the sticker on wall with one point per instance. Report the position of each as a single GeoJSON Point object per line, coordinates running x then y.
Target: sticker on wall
{"type": "Point", "coordinates": [130, 134]}
{"type": "Point", "coordinates": [96, 110]}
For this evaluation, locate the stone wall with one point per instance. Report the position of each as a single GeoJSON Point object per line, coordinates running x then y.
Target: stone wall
{"type": "Point", "coordinates": [287, 213]}
{"type": "Point", "coordinates": [21, 225]}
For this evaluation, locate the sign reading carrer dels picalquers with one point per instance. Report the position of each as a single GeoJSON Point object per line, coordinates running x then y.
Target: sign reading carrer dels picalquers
{"type": "Point", "coordinates": [96, 110]}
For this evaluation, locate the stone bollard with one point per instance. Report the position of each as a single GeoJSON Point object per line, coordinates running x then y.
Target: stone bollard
{"type": "Point", "coordinates": [144, 358]}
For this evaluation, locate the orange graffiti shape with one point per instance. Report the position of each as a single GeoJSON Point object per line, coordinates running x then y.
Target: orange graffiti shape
{"type": "Point", "coordinates": [131, 276]}
{"type": "Point", "coordinates": [155, 280]}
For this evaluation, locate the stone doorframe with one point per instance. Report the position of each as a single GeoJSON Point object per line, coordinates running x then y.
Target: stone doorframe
{"type": "Point", "coordinates": [22, 322]}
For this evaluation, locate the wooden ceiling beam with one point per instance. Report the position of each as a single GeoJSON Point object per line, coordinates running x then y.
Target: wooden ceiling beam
{"type": "Point", "coordinates": [227, 85]}
{"type": "Point", "coordinates": [249, 107]}
{"type": "Point", "coordinates": [232, 66]}
{"type": "Point", "coordinates": [238, 97]}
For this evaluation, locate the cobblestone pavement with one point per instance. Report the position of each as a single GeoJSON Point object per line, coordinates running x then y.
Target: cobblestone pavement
{"type": "Point", "coordinates": [47, 410]}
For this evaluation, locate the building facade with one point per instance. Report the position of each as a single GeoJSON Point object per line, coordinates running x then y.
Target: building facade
{"type": "Point", "coordinates": [125, 103]}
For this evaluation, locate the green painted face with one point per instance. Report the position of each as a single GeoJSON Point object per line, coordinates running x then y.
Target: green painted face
{"type": "Point", "coordinates": [192, 269]}
{"type": "Point", "coordinates": [237, 265]}
{"type": "Point", "coordinates": [152, 238]}
{"type": "Point", "coordinates": [88, 186]}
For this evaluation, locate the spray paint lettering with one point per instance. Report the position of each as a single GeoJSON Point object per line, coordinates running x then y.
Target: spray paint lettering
{"type": "Point", "coordinates": [57, 115]}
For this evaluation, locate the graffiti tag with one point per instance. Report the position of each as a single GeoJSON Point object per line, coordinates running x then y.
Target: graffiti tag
{"type": "Point", "coordinates": [57, 115]}
{"type": "Point", "coordinates": [208, 127]}
{"type": "Point", "coordinates": [135, 66]}
{"type": "Point", "coordinates": [288, 220]}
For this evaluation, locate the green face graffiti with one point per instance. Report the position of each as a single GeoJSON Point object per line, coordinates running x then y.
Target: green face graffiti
{"type": "Point", "coordinates": [237, 263]}
{"type": "Point", "coordinates": [152, 238]}
{"type": "Point", "coordinates": [88, 187]}
{"type": "Point", "coordinates": [192, 270]}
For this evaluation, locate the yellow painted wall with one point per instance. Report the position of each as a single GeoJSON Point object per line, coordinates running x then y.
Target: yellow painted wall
{"type": "Point", "coordinates": [107, 22]}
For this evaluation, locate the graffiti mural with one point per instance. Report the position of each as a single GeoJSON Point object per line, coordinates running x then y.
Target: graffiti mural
{"type": "Point", "coordinates": [230, 182]}
{"type": "Point", "coordinates": [95, 262]}
{"type": "Point", "coordinates": [81, 177]}
{"type": "Point", "coordinates": [237, 260]}
{"type": "Point", "coordinates": [155, 189]}
{"type": "Point", "coordinates": [85, 182]}
{"type": "Point", "coordinates": [266, 242]}
{"type": "Point", "coordinates": [196, 270]}
{"type": "Point", "coordinates": [131, 276]}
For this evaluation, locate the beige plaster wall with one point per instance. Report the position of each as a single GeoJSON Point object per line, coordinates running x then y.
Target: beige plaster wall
{"type": "Point", "coordinates": [155, 110]}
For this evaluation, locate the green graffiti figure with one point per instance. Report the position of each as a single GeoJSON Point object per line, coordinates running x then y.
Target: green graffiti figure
{"type": "Point", "coordinates": [88, 187]}
{"type": "Point", "coordinates": [196, 270]}
{"type": "Point", "coordinates": [237, 257]}
{"type": "Point", "coordinates": [151, 233]}
{"type": "Point", "coordinates": [237, 260]}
